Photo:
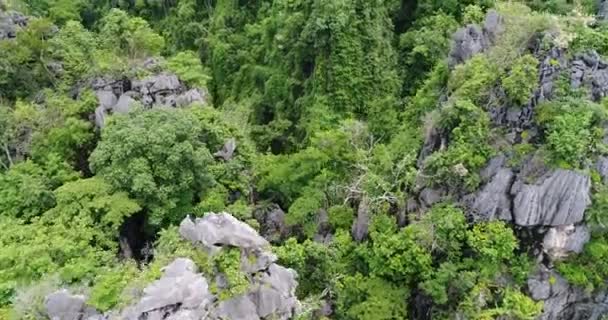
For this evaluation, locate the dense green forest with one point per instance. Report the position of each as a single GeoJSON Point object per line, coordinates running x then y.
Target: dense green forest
{"type": "Point", "coordinates": [409, 159]}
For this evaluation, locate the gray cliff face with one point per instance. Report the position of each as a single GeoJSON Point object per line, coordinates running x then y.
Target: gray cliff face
{"type": "Point", "coordinates": [474, 39]}
{"type": "Point", "coordinates": [183, 293]}
{"type": "Point", "coordinates": [559, 198]}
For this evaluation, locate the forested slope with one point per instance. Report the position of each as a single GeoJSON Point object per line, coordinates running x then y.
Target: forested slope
{"type": "Point", "coordinates": [303, 159]}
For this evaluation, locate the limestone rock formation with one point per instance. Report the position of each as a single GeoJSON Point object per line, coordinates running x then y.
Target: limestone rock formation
{"type": "Point", "coordinates": [272, 222]}
{"type": "Point", "coordinates": [562, 301]}
{"type": "Point", "coordinates": [182, 293]}
{"type": "Point", "coordinates": [227, 150]}
{"type": "Point", "coordinates": [492, 201]}
{"type": "Point", "coordinates": [161, 90]}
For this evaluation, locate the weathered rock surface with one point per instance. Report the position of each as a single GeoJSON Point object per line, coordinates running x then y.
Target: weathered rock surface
{"type": "Point", "coordinates": [493, 201]}
{"type": "Point", "coordinates": [161, 90]}
{"type": "Point", "coordinates": [10, 23]}
{"type": "Point", "coordinates": [182, 293]}
{"type": "Point", "coordinates": [602, 13]}
{"type": "Point", "coordinates": [602, 168]}
{"type": "Point", "coordinates": [227, 150]}
{"type": "Point", "coordinates": [558, 198]}
{"type": "Point", "coordinates": [562, 301]}
{"type": "Point", "coordinates": [272, 222]}
{"type": "Point", "coordinates": [474, 39]}
{"type": "Point", "coordinates": [559, 242]}
{"type": "Point", "coordinates": [62, 305]}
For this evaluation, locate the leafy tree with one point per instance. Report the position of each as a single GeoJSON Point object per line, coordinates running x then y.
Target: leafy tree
{"type": "Point", "coordinates": [571, 131]}
{"type": "Point", "coordinates": [397, 256]}
{"type": "Point", "coordinates": [26, 190]}
{"type": "Point", "coordinates": [24, 61]}
{"type": "Point", "coordinates": [313, 262]}
{"type": "Point", "coordinates": [424, 46]}
{"type": "Point", "coordinates": [129, 35]}
{"type": "Point", "coordinates": [157, 157]}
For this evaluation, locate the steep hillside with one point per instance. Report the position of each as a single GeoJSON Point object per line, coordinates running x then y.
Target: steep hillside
{"type": "Point", "coordinates": [293, 159]}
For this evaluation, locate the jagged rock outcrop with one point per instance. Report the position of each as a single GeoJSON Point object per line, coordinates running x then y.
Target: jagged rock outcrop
{"type": "Point", "coordinates": [182, 293]}
{"type": "Point", "coordinates": [558, 198]}
{"type": "Point", "coordinates": [221, 229]}
{"type": "Point", "coordinates": [161, 90]}
{"type": "Point", "coordinates": [474, 39]}
{"type": "Point", "coordinates": [180, 287]}
{"type": "Point", "coordinates": [562, 301]}
{"type": "Point", "coordinates": [10, 23]}
{"type": "Point", "coordinates": [559, 242]}
{"type": "Point", "coordinates": [602, 168]}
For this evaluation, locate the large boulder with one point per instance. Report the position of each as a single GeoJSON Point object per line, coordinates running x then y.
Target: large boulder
{"type": "Point", "coordinates": [227, 150]}
{"type": "Point", "coordinates": [272, 222]}
{"type": "Point", "coordinates": [221, 229]}
{"type": "Point", "coordinates": [179, 286]}
{"type": "Point", "coordinates": [361, 224]}
{"type": "Point", "coordinates": [62, 305]}
{"type": "Point", "coordinates": [561, 241]}
{"type": "Point", "coordinates": [558, 198]}
{"type": "Point", "coordinates": [182, 293]}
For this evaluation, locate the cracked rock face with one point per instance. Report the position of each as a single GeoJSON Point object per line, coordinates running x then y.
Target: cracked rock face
{"type": "Point", "coordinates": [493, 201]}
{"type": "Point", "coordinates": [558, 198]}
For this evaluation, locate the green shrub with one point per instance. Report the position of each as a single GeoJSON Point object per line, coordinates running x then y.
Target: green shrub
{"type": "Point", "coordinates": [109, 286]}
{"type": "Point", "coordinates": [589, 269]}
{"type": "Point", "coordinates": [474, 79]}
{"type": "Point", "coordinates": [341, 216]}
{"type": "Point", "coordinates": [458, 165]}
{"type": "Point", "coordinates": [228, 262]}
{"type": "Point", "coordinates": [522, 79]}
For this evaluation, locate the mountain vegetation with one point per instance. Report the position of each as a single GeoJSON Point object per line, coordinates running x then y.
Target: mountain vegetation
{"type": "Point", "coordinates": [409, 159]}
